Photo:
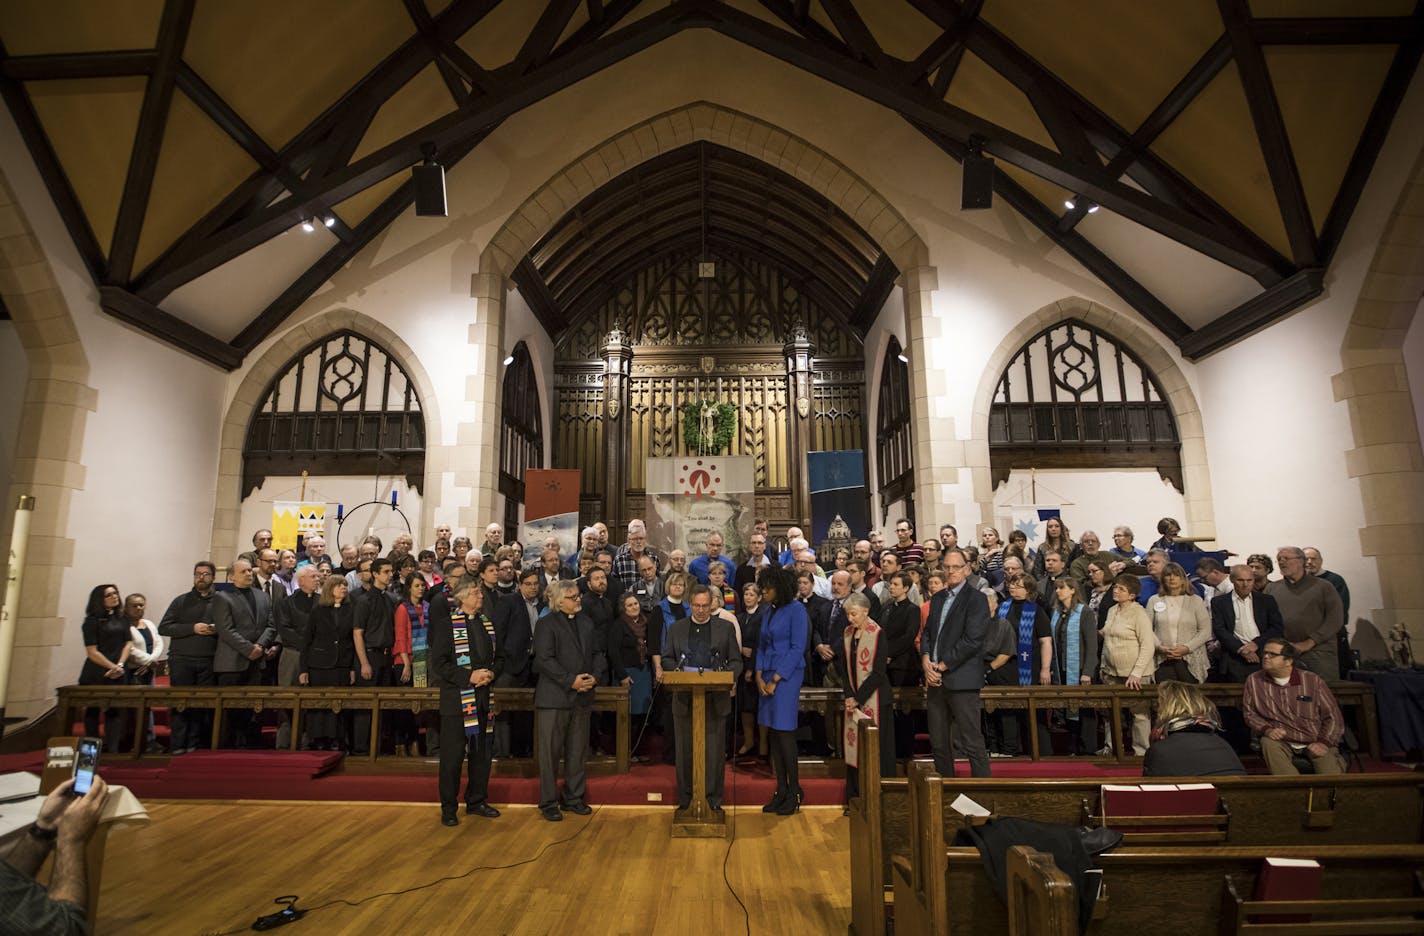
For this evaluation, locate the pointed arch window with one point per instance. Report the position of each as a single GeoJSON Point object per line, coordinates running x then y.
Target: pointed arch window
{"type": "Point", "coordinates": [1075, 397]}
{"type": "Point", "coordinates": [892, 429]}
{"type": "Point", "coordinates": [342, 406]}
{"type": "Point", "coordinates": [521, 437]}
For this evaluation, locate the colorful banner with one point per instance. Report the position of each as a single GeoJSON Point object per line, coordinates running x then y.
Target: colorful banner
{"type": "Point", "coordinates": [838, 499]}
{"type": "Point", "coordinates": [1033, 521]}
{"type": "Point", "coordinates": [692, 496]}
{"type": "Point", "coordinates": [293, 522]}
{"type": "Point", "coordinates": [551, 508]}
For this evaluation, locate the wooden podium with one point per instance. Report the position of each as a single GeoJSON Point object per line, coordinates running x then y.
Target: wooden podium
{"type": "Point", "coordinates": [699, 820]}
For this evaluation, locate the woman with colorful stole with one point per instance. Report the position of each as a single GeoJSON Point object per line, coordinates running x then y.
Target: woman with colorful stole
{"type": "Point", "coordinates": [866, 679]}
{"type": "Point", "coordinates": [1033, 654]}
{"type": "Point", "coordinates": [464, 663]}
{"type": "Point", "coordinates": [780, 669]}
{"type": "Point", "coordinates": [1075, 654]}
{"type": "Point", "coordinates": [413, 662]}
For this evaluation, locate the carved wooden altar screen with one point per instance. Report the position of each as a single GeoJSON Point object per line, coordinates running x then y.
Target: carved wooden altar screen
{"type": "Point", "coordinates": [739, 331]}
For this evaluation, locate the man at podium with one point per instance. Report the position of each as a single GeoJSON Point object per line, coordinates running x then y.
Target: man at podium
{"type": "Point", "coordinates": [702, 642]}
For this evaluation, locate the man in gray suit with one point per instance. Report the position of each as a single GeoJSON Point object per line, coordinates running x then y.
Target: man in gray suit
{"type": "Point", "coordinates": [246, 635]}
{"type": "Point", "coordinates": [950, 657]}
{"type": "Point", "coordinates": [708, 643]}
{"type": "Point", "coordinates": [564, 645]}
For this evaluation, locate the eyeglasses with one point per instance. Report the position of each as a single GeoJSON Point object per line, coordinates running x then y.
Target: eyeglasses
{"type": "Point", "coordinates": [1270, 653]}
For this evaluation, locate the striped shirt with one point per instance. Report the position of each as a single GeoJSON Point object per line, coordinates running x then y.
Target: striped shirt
{"type": "Point", "coordinates": [1304, 707]}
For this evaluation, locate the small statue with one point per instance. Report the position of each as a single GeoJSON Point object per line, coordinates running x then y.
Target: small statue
{"type": "Point", "coordinates": [709, 424]}
{"type": "Point", "coordinates": [1400, 650]}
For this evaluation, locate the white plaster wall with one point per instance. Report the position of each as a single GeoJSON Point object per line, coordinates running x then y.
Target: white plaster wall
{"type": "Point", "coordinates": [14, 366]}
{"type": "Point", "coordinates": [1276, 438]}
{"type": "Point", "coordinates": [345, 490]}
{"type": "Point", "coordinates": [1414, 364]}
{"type": "Point", "coordinates": [1093, 500]}
{"type": "Point", "coordinates": [149, 453]}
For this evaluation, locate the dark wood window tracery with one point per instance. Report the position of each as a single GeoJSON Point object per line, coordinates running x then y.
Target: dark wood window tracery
{"type": "Point", "coordinates": [1075, 397]}
{"type": "Point", "coordinates": [521, 436]}
{"type": "Point", "coordinates": [341, 406]}
{"type": "Point", "coordinates": [892, 430]}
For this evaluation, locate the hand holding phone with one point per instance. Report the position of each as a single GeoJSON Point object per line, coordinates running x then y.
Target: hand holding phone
{"type": "Point", "coordinates": [86, 762]}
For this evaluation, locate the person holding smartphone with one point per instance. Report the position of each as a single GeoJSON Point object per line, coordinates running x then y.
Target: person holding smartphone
{"type": "Point", "coordinates": [64, 825]}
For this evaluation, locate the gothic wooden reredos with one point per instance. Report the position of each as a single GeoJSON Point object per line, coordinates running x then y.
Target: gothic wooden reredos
{"type": "Point", "coordinates": [521, 437]}
{"type": "Point", "coordinates": [341, 406]}
{"type": "Point", "coordinates": [892, 433]}
{"type": "Point", "coordinates": [705, 273]}
{"type": "Point", "coordinates": [1075, 397]}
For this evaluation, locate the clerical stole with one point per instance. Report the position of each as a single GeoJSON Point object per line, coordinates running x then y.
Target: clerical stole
{"type": "Point", "coordinates": [469, 702]}
{"type": "Point", "coordinates": [861, 650]}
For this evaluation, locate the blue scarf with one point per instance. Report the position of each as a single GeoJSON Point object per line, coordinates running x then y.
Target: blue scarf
{"type": "Point", "coordinates": [1072, 644]}
{"type": "Point", "coordinates": [1025, 651]}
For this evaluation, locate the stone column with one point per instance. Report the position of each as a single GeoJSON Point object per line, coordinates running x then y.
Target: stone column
{"type": "Point", "coordinates": [938, 453]}
{"type": "Point", "coordinates": [474, 459]}
{"type": "Point", "coordinates": [618, 366]}
{"type": "Point", "coordinates": [798, 352]}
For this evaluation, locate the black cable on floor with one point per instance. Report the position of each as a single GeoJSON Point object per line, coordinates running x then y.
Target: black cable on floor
{"type": "Point", "coordinates": [746, 914]}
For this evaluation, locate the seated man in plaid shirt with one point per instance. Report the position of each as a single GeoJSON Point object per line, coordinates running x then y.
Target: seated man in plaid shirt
{"type": "Point", "coordinates": [1293, 711]}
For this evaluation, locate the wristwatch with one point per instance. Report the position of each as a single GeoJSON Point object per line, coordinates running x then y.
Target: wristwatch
{"type": "Point", "coordinates": [42, 835]}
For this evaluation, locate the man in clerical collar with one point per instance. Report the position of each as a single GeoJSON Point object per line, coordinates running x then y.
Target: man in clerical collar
{"type": "Point", "coordinates": [704, 641]}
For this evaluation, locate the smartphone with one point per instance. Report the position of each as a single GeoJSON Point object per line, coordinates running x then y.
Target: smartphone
{"type": "Point", "coordinates": [85, 763]}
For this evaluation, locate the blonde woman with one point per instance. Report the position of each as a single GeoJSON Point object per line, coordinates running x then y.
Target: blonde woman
{"type": "Point", "coordinates": [1181, 626]}
{"type": "Point", "coordinates": [1187, 740]}
{"type": "Point", "coordinates": [1127, 649]}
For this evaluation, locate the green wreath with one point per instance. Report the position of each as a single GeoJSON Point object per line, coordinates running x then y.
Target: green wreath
{"type": "Point", "coordinates": [724, 425]}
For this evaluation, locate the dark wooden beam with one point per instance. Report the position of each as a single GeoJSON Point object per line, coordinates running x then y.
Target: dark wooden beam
{"type": "Point", "coordinates": [1271, 133]}
{"type": "Point", "coordinates": [66, 202]}
{"type": "Point", "coordinates": [969, 15]}
{"type": "Point", "coordinates": [536, 296]}
{"type": "Point", "coordinates": [547, 30]}
{"type": "Point", "coordinates": [854, 31]}
{"type": "Point", "coordinates": [4, 310]}
{"type": "Point", "coordinates": [1362, 163]}
{"type": "Point", "coordinates": [228, 120]}
{"type": "Point", "coordinates": [877, 290]}
{"type": "Point", "coordinates": [148, 140]}
{"type": "Point", "coordinates": [1336, 30]}
{"type": "Point", "coordinates": [1091, 181]}
{"type": "Point", "coordinates": [425, 25]}
{"type": "Point", "coordinates": [145, 316]}
{"type": "Point", "coordinates": [1254, 314]}
{"type": "Point", "coordinates": [193, 259]}
{"type": "Point", "coordinates": [79, 65]}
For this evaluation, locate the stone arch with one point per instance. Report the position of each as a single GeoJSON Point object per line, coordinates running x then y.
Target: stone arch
{"type": "Point", "coordinates": [1200, 513]}
{"type": "Point", "coordinates": [1374, 386]}
{"type": "Point", "coordinates": [48, 447]}
{"type": "Point", "coordinates": [226, 538]}
{"type": "Point", "coordinates": [700, 120]}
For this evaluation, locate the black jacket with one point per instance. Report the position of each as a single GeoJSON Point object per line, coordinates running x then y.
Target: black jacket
{"type": "Point", "coordinates": [177, 623]}
{"type": "Point", "coordinates": [1195, 751]}
{"type": "Point", "coordinates": [514, 641]}
{"type": "Point", "coordinates": [329, 639]}
{"type": "Point", "coordinates": [563, 649]}
{"type": "Point", "coordinates": [901, 625]}
{"type": "Point", "coordinates": [452, 676]}
{"type": "Point", "coordinates": [292, 619]}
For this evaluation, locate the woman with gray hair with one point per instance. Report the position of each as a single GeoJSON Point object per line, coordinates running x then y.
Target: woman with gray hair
{"type": "Point", "coordinates": [864, 674]}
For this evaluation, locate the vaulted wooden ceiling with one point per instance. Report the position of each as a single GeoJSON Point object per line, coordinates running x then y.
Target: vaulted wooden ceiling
{"type": "Point", "coordinates": [706, 198]}
{"type": "Point", "coordinates": [176, 136]}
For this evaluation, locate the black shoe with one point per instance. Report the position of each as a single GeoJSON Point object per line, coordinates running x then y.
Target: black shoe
{"type": "Point", "coordinates": [481, 809]}
{"type": "Point", "coordinates": [449, 819]}
{"type": "Point", "coordinates": [776, 802]}
{"type": "Point", "coordinates": [578, 809]}
{"type": "Point", "coordinates": [791, 805]}
{"type": "Point", "coordinates": [552, 814]}
{"type": "Point", "coordinates": [719, 810]}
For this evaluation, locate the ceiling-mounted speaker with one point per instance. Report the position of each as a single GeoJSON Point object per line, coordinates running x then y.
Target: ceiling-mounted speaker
{"type": "Point", "coordinates": [978, 190]}
{"type": "Point", "coordinates": [429, 182]}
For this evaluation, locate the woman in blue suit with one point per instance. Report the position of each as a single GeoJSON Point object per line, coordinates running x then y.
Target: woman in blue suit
{"type": "Point", "coordinates": [780, 665]}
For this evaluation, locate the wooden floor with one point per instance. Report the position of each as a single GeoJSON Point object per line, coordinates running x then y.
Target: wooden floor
{"type": "Point", "coordinates": [213, 868]}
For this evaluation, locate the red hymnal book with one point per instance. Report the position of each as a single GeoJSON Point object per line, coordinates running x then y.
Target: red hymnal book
{"type": "Point", "coordinates": [1121, 802]}
{"type": "Point", "coordinates": [1287, 879]}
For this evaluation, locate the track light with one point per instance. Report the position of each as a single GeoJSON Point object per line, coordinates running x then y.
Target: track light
{"type": "Point", "coordinates": [903, 359]}
{"type": "Point", "coordinates": [1092, 209]}
{"type": "Point", "coordinates": [308, 226]}
{"type": "Point", "coordinates": [509, 360]}
{"type": "Point", "coordinates": [1070, 204]}
{"type": "Point", "coordinates": [329, 220]}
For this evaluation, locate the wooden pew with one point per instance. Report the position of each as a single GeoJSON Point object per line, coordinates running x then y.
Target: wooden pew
{"type": "Point", "coordinates": [1358, 809]}
{"type": "Point", "coordinates": [939, 889]}
{"type": "Point", "coordinates": [1042, 899]}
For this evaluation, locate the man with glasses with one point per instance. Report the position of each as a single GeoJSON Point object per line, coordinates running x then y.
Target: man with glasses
{"type": "Point", "coordinates": [193, 640]}
{"type": "Point", "coordinates": [1294, 712]}
{"type": "Point", "coordinates": [705, 642]}
{"type": "Point", "coordinates": [628, 557]}
{"type": "Point", "coordinates": [698, 566]}
{"type": "Point", "coordinates": [1312, 612]}
{"type": "Point", "coordinates": [950, 648]}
